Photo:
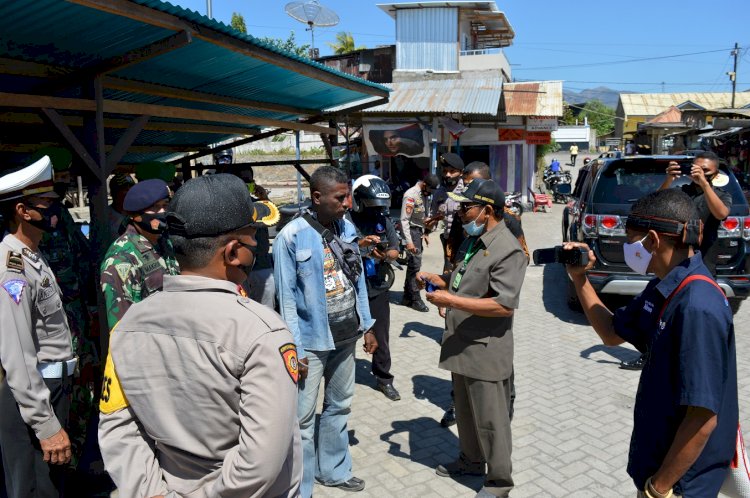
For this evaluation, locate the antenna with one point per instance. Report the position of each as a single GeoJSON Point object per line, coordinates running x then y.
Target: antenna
{"type": "Point", "coordinates": [313, 14]}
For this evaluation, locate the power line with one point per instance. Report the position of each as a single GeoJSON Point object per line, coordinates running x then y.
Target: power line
{"type": "Point", "coordinates": [643, 59]}
{"type": "Point", "coordinates": [642, 83]}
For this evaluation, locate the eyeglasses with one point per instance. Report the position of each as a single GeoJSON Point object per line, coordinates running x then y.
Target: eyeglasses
{"type": "Point", "coordinates": [465, 208]}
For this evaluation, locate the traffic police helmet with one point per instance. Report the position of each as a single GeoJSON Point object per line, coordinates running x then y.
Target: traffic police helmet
{"type": "Point", "coordinates": [370, 191]}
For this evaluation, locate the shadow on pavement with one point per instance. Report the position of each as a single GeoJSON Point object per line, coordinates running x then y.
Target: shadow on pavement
{"type": "Point", "coordinates": [436, 391]}
{"type": "Point", "coordinates": [555, 295]}
{"type": "Point", "coordinates": [619, 353]}
{"type": "Point", "coordinates": [363, 372]}
{"type": "Point", "coordinates": [434, 333]}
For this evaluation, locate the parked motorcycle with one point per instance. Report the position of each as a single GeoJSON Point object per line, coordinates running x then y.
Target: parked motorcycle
{"type": "Point", "coordinates": [513, 203]}
{"type": "Point", "coordinates": [550, 178]}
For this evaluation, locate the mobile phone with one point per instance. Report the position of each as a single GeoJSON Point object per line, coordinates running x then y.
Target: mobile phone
{"type": "Point", "coordinates": [574, 257]}
{"type": "Point", "coordinates": [686, 168]}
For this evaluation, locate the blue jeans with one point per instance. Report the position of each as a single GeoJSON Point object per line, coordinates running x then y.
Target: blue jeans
{"type": "Point", "coordinates": [329, 461]}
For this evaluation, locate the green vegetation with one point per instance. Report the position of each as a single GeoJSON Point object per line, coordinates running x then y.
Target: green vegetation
{"type": "Point", "coordinates": [238, 22]}
{"type": "Point", "coordinates": [601, 118]}
{"type": "Point", "coordinates": [344, 44]}
{"type": "Point", "coordinates": [288, 45]}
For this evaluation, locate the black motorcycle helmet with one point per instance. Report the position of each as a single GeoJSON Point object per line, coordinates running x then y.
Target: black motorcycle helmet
{"type": "Point", "coordinates": [370, 191]}
{"type": "Point", "coordinates": [224, 157]}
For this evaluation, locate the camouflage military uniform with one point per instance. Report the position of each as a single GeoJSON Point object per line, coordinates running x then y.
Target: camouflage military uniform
{"type": "Point", "coordinates": [132, 270]}
{"type": "Point", "coordinates": [67, 252]}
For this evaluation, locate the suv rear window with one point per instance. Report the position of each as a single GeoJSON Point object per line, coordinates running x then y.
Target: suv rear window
{"type": "Point", "coordinates": [625, 181]}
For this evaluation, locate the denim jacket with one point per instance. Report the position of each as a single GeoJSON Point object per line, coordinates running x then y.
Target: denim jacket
{"type": "Point", "coordinates": [298, 272]}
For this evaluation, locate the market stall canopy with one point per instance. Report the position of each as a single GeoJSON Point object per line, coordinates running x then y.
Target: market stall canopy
{"type": "Point", "coordinates": [165, 79]}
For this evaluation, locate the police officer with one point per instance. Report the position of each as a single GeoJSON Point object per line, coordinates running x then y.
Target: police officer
{"type": "Point", "coordinates": [378, 244]}
{"type": "Point", "coordinates": [35, 343]}
{"type": "Point", "coordinates": [481, 296]}
{"type": "Point", "coordinates": [416, 224]}
{"type": "Point", "coordinates": [200, 389]}
{"type": "Point", "coordinates": [452, 166]}
{"type": "Point", "coordinates": [67, 251]}
{"type": "Point", "coordinates": [135, 264]}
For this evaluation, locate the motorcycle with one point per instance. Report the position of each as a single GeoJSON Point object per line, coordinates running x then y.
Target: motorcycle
{"type": "Point", "coordinates": [550, 178]}
{"type": "Point", "coordinates": [513, 203]}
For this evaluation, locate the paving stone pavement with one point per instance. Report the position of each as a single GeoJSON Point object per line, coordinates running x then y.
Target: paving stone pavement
{"type": "Point", "coordinates": [573, 412]}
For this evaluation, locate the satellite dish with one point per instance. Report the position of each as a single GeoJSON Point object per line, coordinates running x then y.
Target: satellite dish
{"type": "Point", "coordinates": [313, 14]}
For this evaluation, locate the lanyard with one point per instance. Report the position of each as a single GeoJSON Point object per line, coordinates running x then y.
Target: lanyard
{"type": "Point", "coordinates": [467, 257]}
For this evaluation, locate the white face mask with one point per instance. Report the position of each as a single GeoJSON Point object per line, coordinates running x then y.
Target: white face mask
{"type": "Point", "coordinates": [636, 256]}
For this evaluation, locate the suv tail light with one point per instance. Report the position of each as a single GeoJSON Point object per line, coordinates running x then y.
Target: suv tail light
{"type": "Point", "coordinates": [589, 225]}
{"type": "Point", "coordinates": [610, 224]}
{"type": "Point", "coordinates": [746, 228]}
{"type": "Point", "coordinates": [731, 227]}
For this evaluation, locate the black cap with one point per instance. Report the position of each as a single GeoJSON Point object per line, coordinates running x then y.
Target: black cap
{"type": "Point", "coordinates": [145, 194]}
{"type": "Point", "coordinates": [452, 160]}
{"type": "Point", "coordinates": [213, 205]}
{"type": "Point", "coordinates": [481, 191]}
{"type": "Point", "coordinates": [431, 181]}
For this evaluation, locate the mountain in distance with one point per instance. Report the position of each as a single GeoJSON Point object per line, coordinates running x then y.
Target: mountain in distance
{"type": "Point", "coordinates": [607, 95]}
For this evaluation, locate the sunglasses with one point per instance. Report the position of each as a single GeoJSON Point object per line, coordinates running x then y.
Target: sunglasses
{"type": "Point", "coordinates": [465, 208]}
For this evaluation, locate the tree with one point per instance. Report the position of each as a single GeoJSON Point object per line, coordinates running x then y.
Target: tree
{"type": "Point", "coordinates": [344, 44]}
{"type": "Point", "coordinates": [238, 23]}
{"type": "Point", "coordinates": [568, 117]}
{"type": "Point", "coordinates": [288, 45]}
{"type": "Point", "coordinates": [601, 118]}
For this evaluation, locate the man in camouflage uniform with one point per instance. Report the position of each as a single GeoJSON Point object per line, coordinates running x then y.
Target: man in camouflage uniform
{"type": "Point", "coordinates": [135, 264]}
{"type": "Point", "coordinates": [67, 251]}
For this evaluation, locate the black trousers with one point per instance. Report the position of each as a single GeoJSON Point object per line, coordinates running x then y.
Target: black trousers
{"type": "Point", "coordinates": [413, 265]}
{"type": "Point", "coordinates": [380, 310]}
{"type": "Point", "coordinates": [26, 472]}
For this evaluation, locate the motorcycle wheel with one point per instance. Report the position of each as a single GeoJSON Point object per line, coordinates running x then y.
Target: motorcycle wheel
{"type": "Point", "coordinates": [516, 208]}
{"type": "Point", "coordinates": [389, 276]}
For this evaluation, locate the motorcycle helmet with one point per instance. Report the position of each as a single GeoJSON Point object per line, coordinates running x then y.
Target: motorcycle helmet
{"type": "Point", "coordinates": [586, 160]}
{"type": "Point", "coordinates": [224, 157]}
{"type": "Point", "coordinates": [370, 191]}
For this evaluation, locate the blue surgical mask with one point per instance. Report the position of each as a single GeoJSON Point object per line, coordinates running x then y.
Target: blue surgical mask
{"type": "Point", "coordinates": [473, 229]}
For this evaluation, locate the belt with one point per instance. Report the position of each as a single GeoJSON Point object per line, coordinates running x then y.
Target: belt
{"type": "Point", "coordinates": [55, 370]}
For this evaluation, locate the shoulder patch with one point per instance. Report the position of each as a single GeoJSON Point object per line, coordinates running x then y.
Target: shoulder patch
{"type": "Point", "coordinates": [410, 201]}
{"type": "Point", "coordinates": [289, 354]}
{"type": "Point", "coordinates": [15, 261]}
{"type": "Point", "coordinates": [123, 270]}
{"type": "Point", "coordinates": [15, 288]}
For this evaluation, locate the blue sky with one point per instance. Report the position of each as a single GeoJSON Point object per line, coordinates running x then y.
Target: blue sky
{"type": "Point", "coordinates": [587, 43]}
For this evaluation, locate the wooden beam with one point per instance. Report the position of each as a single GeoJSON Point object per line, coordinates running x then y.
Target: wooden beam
{"type": "Point", "coordinates": [135, 149]}
{"type": "Point", "coordinates": [280, 162]}
{"type": "Point", "coordinates": [18, 67]}
{"type": "Point", "coordinates": [141, 13]}
{"type": "Point", "coordinates": [70, 137]}
{"type": "Point", "coordinates": [29, 118]}
{"type": "Point", "coordinates": [191, 95]}
{"type": "Point", "coordinates": [125, 141]}
{"type": "Point", "coordinates": [236, 143]}
{"type": "Point", "coordinates": [350, 110]}
{"type": "Point", "coordinates": [121, 107]}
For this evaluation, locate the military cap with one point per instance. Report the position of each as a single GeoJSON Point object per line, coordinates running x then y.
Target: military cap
{"type": "Point", "coordinates": [155, 169]}
{"type": "Point", "coordinates": [61, 158]}
{"type": "Point", "coordinates": [481, 191]}
{"type": "Point", "coordinates": [35, 179]}
{"type": "Point", "coordinates": [145, 194]}
{"type": "Point", "coordinates": [213, 205]}
{"type": "Point", "coordinates": [452, 160]}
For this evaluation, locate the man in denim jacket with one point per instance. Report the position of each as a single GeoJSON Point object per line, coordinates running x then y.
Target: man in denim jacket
{"type": "Point", "coordinates": [326, 313]}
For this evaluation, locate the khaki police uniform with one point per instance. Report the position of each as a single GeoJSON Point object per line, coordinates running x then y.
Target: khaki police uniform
{"type": "Point", "coordinates": [200, 396]}
{"type": "Point", "coordinates": [413, 214]}
{"type": "Point", "coordinates": [479, 351]}
{"type": "Point", "coordinates": [37, 357]}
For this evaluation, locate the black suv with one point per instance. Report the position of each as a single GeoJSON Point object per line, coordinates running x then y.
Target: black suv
{"type": "Point", "coordinates": [604, 192]}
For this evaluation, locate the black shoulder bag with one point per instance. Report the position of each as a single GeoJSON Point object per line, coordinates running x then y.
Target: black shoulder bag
{"type": "Point", "coordinates": [346, 254]}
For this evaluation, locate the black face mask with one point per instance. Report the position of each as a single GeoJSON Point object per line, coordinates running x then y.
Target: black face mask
{"type": "Point", "coordinates": [45, 223]}
{"type": "Point", "coordinates": [246, 269]}
{"type": "Point", "coordinates": [61, 188]}
{"type": "Point", "coordinates": [145, 222]}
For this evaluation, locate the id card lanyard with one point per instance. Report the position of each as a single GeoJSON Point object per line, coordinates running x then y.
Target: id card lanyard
{"type": "Point", "coordinates": [467, 257]}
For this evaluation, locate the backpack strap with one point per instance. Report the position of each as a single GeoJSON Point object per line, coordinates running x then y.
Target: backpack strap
{"type": "Point", "coordinates": [686, 281]}
{"type": "Point", "coordinates": [324, 232]}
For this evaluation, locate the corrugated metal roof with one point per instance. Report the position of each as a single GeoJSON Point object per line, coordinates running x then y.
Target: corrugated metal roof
{"type": "Point", "coordinates": [479, 96]}
{"type": "Point", "coordinates": [72, 36]}
{"type": "Point", "coordinates": [533, 98]}
{"type": "Point", "coordinates": [651, 104]}
{"type": "Point", "coordinates": [426, 39]}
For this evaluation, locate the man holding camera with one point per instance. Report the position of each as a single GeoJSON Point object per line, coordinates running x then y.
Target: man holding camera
{"type": "Point", "coordinates": [481, 296]}
{"type": "Point", "coordinates": [686, 414]}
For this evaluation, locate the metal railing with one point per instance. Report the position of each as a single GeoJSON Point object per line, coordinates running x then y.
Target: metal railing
{"type": "Point", "coordinates": [481, 51]}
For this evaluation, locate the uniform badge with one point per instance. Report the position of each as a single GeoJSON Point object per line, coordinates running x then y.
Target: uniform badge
{"type": "Point", "coordinates": [30, 254]}
{"type": "Point", "coordinates": [123, 270]}
{"type": "Point", "coordinates": [289, 355]}
{"type": "Point", "coordinates": [14, 262]}
{"type": "Point", "coordinates": [46, 282]}
{"type": "Point", "coordinates": [15, 289]}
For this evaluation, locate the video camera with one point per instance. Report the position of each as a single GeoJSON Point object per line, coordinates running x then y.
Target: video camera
{"type": "Point", "coordinates": [573, 257]}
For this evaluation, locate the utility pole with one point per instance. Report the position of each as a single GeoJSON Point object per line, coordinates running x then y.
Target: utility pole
{"type": "Point", "coordinates": [733, 74]}
{"type": "Point", "coordinates": [209, 12]}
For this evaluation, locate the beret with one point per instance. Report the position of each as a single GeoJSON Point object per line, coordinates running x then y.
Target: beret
{"type": "Point", "coordinates": [145, 194]}
{"type": "Point", "coordinates": [452, 160]}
